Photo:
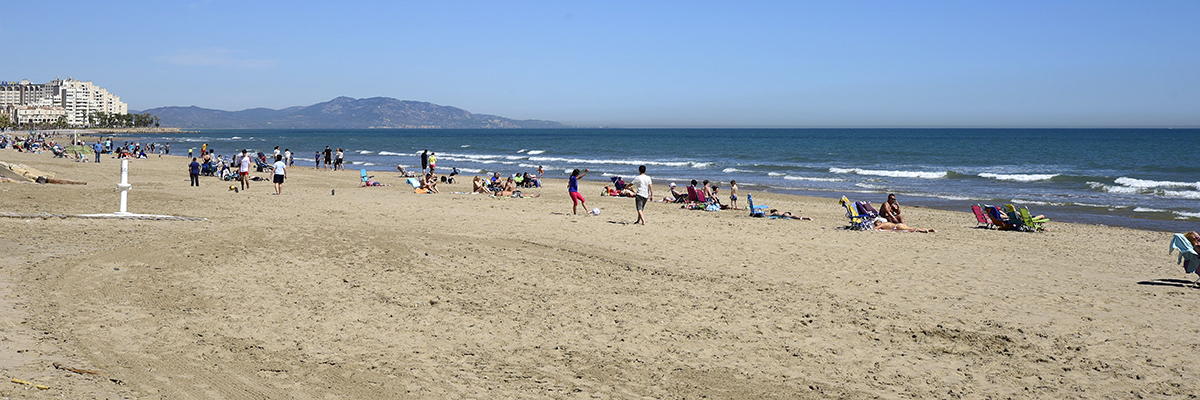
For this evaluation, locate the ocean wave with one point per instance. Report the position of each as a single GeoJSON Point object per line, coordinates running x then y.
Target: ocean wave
{"type": "Point", "coordinates": [776, 174]}
{"type": "Point", "coordinates": [1186, 215]}
{"type": "Point", "coordinates": [522, 150]}
{"type": "Point", "coordinates": [1035, 202]}
{"type": "Point", "coordinates": [1018, 177]}
{"type": "Point", "coordinates": [369, 164]}
{"type": "Point", "coordinates": [535, 152]}
{"type": "Point", "coordinates": [365, 152]}
{"type": "Point", "coordinates": [235, 137]}
{"type": "Point", "coordinates": [1181, 194]}
{"type": "Point", "coordinates": [867, 186]}
{"type": "Point", "coordinates": [1096, 205]}
{"type": "Point", "coordinates": [465, 146]}
{"type": "Point", "coordinates": [732, 170]}
{"type": "Point", "coordinates": [692, 164]}
{"type": "Point", "coordinates": [1149, 184]}
{"type": "Point", "coordinates": [1147, 210]}
{"type": "Point", "coordinates": [812, 179]}
{"type": "Point", "coordinates": [471, 170]}
{"type": "Point", "coordinates": [389, 153]}
{"type": "Point", "coordinates": [890, 173]}
{"type": "Point", "coordinates": [1114, 189]}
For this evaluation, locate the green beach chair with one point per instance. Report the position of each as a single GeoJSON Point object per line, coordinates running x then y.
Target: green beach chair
{"type": "Point", "coordinates": [1032, 222]}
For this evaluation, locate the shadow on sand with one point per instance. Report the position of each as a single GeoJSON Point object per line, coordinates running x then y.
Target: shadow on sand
{"type": "Point", "coordinates": [1182, 283]}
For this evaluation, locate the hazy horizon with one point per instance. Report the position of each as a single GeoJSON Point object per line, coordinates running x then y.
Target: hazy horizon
{"type": "Point", "coordinates": [629, 65]}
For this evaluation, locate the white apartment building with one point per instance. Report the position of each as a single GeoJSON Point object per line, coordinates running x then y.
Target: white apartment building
{"type": "Point", "coordinates": [77, 98]}
{"type": "Point", "coordinates": [34, 115]}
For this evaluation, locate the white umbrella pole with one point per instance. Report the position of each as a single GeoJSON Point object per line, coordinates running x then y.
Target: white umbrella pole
{"type": "Point", "coordinates": [124, 187]}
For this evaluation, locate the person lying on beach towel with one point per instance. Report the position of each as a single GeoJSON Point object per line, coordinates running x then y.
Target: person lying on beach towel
{"type": "Point", "coordinates": [775, 214]}
{"type": "Point", "coordinates": [883, 225]}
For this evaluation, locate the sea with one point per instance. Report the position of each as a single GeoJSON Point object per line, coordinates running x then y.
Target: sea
{"type": "Point", "coordinates": [1140, 178]}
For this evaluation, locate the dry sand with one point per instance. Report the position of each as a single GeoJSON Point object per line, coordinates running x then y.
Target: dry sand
{"type": "Point", "coordinates": [383, 293]}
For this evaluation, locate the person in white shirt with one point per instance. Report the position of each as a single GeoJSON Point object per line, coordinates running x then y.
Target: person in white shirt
{"type": "Point", "coordinates": [244, 169]}
{"type": "Point", "coordinates": [287, 157]}
{"type": "Point", "coordinates": [645, 191]}
{"type": "Point", "coordinates": [275, 153]}
{"type": "Point", "coordinates": [280, 168]}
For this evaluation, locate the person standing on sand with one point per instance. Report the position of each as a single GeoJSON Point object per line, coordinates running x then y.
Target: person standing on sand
{"type": "Point", "coordinates": [287, 157]}
{"type": "Point", "coordinates": [317, 159]}
{"type": "Point", "coordinates": [424, 160]}
{"type": "Point", "coordinates": [733, 195]}
{"type": "Point", "coordinates": [328, 157]}
{"type": "Point", "coordinates": [275, 153]}
{"type": "Point", "coordinates": [337, 162]}
{"type": "Point", "coordinates": [244, 169]}
{"type": "Point", "coordinates": [432, 161]}
{"type": "Point", "coordinates": [280, 168]}
{"type": "Point", "coordinates": [573, 190]}
{"type": "Point", "coordinates": [98, 148]}
{"type": "Point", "coordinates": [194, 172]}
{"type": "Point", "coordinates": [645, 191]}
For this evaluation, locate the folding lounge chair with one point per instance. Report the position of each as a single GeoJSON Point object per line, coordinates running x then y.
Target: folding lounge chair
{"type": "Point", "coordinates": [756, 211]}
{"type": "Point", "coordinates": [1033, 222]}
{"type": "Point", "coordinates": [998, 218]}
{"type": "Point", "coordinates": [1015, 217]}
{"type": "Point", "coordinates": [982, 218]}
{"type": "Point", "coordinates": [858, 221]}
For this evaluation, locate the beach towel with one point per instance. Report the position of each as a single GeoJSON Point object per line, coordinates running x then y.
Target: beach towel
{"type": "Point", "coordinates": [1187, 253]}
{"type": "Point", "coordinates": [413, 182]}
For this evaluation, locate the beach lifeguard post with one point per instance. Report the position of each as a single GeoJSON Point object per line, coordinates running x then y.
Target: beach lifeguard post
{"type": "Point", "coordinates": [123, 208]}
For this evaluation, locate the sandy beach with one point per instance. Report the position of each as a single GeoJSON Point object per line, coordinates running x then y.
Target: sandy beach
{"type": "Point", "coordinates": [337, 291]}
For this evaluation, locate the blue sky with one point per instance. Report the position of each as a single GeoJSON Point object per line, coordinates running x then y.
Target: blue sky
{"type": "Point", "coordinates": [616, 63]}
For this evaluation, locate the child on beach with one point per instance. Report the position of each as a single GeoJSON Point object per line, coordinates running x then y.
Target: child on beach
{"type": "Point", "coordinates": [733, 195]}
{"type": "Point", "coordinates": [280, 168]}
{"type": "Point", "coordinates": [573, 190]}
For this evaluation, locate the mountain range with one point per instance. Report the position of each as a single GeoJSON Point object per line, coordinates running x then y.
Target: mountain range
{"type": "Point", "coordinates": [342, 113]}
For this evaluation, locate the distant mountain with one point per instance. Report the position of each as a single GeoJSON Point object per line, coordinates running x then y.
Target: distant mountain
{"type": "Point", "coordinates": [342, 112]}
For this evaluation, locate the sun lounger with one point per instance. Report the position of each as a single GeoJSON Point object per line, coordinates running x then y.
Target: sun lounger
{"type": "Point", "coordinates": [999, 219]}
{"type": "Point", "coordinates": [1188, 256]}
{"type": "Point", "coordinates": [1034, 223]}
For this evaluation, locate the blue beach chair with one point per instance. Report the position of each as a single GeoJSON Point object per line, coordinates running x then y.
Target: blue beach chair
{"type": "Point", "coordinates": [756, 211]}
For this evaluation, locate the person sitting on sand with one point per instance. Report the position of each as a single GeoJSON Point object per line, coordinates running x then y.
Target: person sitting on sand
{"type": "Point", "coordinates": [477, 186]}
{"type": "Point", "coordinates": [773, 213]}
{"type": "Point", "coordinates": [676, 196]}
{"type": "Point", "coordinates": [890, 210]}
{"type": "Point", "coordinates": [883, 225]}
{"type": "Point", "coordinates": [429, 183]}
{"type": "Point", "coordinates": [609, 191]}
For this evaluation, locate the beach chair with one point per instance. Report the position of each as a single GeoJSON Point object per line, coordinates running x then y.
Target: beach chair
{"type": "Point", "coordinates": [1034, 223]}
{"type": "Point", "coordinates": [983, 220]}
{"type": "Point", "coordinates": [865, 209]}
{"type": "Point", "coordinates": [1000, 220]}
{"type": "Point", "coordinates": [1188, 256]}
{"type": "Point", "coordinates": [858, 221]}
{"type": "Point", "coordinates": [1015, 218]}
{"type": "Point", "coordinates": [756, 211]}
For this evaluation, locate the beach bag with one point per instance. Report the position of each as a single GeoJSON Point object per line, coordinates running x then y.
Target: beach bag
{"type": "Point", "coordinates": [712, 207]}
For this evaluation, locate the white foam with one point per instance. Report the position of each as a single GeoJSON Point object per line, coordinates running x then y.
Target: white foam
{"type": "Point", "coordinates": [811, 179]}
{"type": "Point", "coordinates": [732, 170]}
{"type": "Point", "coordinates": [521, 151]}
{"type": "Point", "coordinates": [621, 162]}
{"type": "Point", "coordinates": [1018, 177]}
{"type": "Point", "coordinates": [1034, 202]}
{"type": "Point", "coordinates": [1147, 210]}
{"type": "Point", "coordinates": [236, 137]}
{"type": "Point", "coordinates": [368, 164]}
{"type": "Point", "coordinates": [775, 174]}
{"type": "Point", "coordinates": [890, 173]}
{"type": "Point", "coordinates": [465, 146]}
{"type": "Point", "coordinates": [365, 152]}
{"type": "Point", "coordinates": [389, 153]}
{"type": "Point", "coordinates": [471, 170]}
{"type": "Point", "coordinates": [1181, 194]}
{"type": "Point", "coordinates": [1185, 214]}
{"type": "Point", "coordinates": [1114, 189]}
{"type": "Point", "coordinates": [1146, 184]}
{"type": "Point", "coordinates": [535, 152]}
{"type": "Point", "coordinates": [868, 186]}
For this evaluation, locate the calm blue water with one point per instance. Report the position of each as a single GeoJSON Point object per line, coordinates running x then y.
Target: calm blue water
{"type": "Point", "coordinates": [1146, 178]}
